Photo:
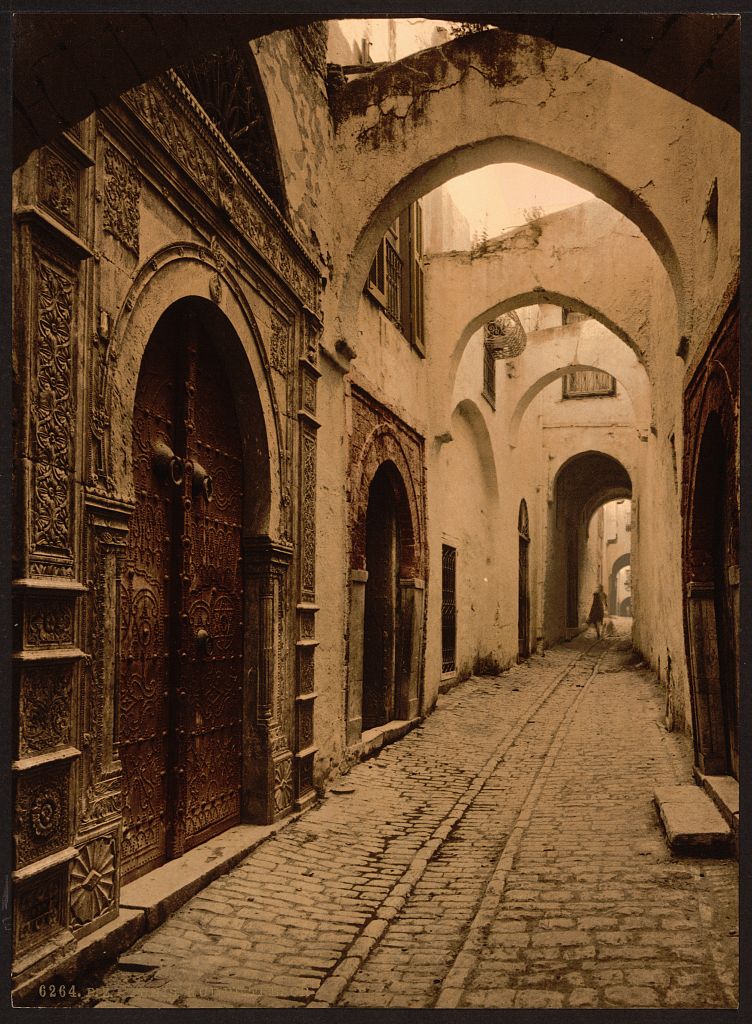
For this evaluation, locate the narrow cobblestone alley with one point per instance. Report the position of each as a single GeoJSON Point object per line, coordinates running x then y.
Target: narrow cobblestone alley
{"type": "Point", "coordinates": [506, 853]}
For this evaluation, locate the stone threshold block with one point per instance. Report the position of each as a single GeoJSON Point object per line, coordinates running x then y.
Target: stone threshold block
{"type": "Point", "coordinates": [162, 891]}
{"type": "Point", "coordinates": [373, 740]}
{"type": "Point", "coordinates": [692, 822]}
{"type": "Point", "coordinates": [723, 790]}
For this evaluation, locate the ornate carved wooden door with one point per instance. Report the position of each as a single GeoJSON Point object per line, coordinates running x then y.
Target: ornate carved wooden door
{"type": "Point", "coordinates": [181, 605]}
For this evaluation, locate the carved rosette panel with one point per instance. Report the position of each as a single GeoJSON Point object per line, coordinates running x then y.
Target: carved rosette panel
{"type": "Point", "coordinates": [39, 910]}
{"type": "Point", "coordinates": [93, 880]}
{"type": "Point", "coordinates": [52, 415]}
{"type": "Point", "coordinates": [308, 515]}
{"type": "Point", "coordinates": [283, 785]}
{"type": "Point", "coordinates": [48, 622]}
{"type": "Point", "coordinates": [45, 705]}
{"type": "Point", "coordinates": [42, 815]}
{"type": "Point", "coordinates": [58, 187]}
{"type": "Point", "coordinates": [122, 195]}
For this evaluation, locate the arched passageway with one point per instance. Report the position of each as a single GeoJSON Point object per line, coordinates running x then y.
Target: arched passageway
{"type": "Point", "coordinates": [583, 484]}
{"type": "Point", "coordinates": [614, 603]}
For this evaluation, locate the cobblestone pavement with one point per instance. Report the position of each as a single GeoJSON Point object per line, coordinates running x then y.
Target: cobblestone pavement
{"type": "Point", "coordinates": [506, 853]}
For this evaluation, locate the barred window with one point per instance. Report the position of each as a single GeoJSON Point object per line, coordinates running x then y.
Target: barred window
{"type": "Point", "coordinates": [588, 384]}
{"type": "Point", "coordinates": [448, 608]}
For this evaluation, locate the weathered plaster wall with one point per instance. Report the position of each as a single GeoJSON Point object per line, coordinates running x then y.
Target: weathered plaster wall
{"type": "Point", "coordinates": [556, 106]}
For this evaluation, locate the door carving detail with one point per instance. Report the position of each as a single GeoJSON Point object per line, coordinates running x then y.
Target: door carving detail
{"type": "Point", "coordinates": [181, 604]}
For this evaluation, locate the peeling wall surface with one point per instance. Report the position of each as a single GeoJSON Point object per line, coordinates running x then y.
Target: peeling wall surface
{"type": "Point", "coordinates": [143, 209]}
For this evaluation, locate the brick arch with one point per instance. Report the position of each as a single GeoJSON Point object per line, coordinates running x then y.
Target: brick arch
{"type": "Point", "coordinates": [383, 449]}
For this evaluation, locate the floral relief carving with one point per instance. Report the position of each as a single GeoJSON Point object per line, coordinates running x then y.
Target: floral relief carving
{"type": "Point", "coordinates": [52, 410]}
{"type": "Point", "coordinates": [39, 912]}
{"type": "Point", "coordinates": [122, 194]}
{"type": "Point", "coordinates": [308, 512]}
{"type": "Point", "coordinates": [279, 346]}
{"type": "Point", "coordinates": [44, 709]}
{"type": "Point", "coordinates": [58, 187]}
{"type": "Point", "coordinates": [181, 129]}
{"type": "Point", "coordinates": [93, 880]}
{"type": "Point", "coordinates": [305, 725]}
{"type": "Point", "coordinates": [309, 394]}
{"type": "Point", "coordinates": [41, 818]}
{"type": "Point", "coordinates": [49, 624]}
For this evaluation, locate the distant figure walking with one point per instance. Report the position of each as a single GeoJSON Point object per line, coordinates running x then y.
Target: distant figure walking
{"type": "Point", "coordinates": [597, 609]}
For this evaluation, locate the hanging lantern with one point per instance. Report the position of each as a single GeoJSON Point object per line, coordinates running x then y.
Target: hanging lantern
{"type": "Point", "coordinates": [505, 336]}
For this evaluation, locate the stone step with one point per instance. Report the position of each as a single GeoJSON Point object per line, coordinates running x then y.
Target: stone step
{"type": "Point", "coordinates": [692, 822]}
{"type": "Point", "coordinates": [723, 790]}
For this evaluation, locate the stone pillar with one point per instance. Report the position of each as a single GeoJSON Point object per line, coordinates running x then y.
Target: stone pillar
{"type": "Point", "coordinates": [51, 298]}
{"type": "Point", "coordinates": [358, 580]}
{"type": "Point", "coordinates": [307, 607]}
{"type": "Point", "coordinates": [411, 603]}
{"type": "Point", "coordinates": [267, 792]}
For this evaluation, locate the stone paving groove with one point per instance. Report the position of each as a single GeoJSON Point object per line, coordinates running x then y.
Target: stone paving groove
{"type": "Point", "coordinates": [504, 854]}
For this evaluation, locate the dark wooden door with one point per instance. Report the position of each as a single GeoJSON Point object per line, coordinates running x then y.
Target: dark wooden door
{"type": "Point", "coordinates": [380, 625]}
{"type": "Point", "coordinates": [523, 615]}
{"type": "Point", "coordinates": [181, 605]}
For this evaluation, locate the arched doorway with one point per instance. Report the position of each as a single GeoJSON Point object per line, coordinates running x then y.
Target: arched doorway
{"type": "Point", "coordinates": [711, 613]}
{"type": "Point", "coordinates": [523, 613]}
{"type": "Point", "coordinates": [583, 484]}
{"type": "Point", "coordinates": [181, 632]}
{"type": "Point", "coordinates": [381, 598]}
{"type": "Point", "coordinates": [615, 600]}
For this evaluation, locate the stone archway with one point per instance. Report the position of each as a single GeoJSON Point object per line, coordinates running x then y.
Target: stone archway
{"type": "Point", "coordinates": [583, 483]}
{"type": "Point", "coordinates": [619, 563]}
{"type": "Point", "coordinates": [386, 523]}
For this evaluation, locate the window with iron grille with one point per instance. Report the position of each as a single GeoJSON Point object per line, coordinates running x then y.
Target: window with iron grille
{"type": "Point", "coordinates": [489, 374]}
{"type": "Point", "coordinates": [588, 384]}
{"type": "Point", "coordinates": [395, 280]}
{"type": "Point", "coordinates": [448, 608]}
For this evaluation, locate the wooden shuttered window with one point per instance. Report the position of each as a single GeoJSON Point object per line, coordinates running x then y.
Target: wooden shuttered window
{"type": "Point", "coordinates": [395, 280]}
{"type": "Point", "coordinates": [411, 237]}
